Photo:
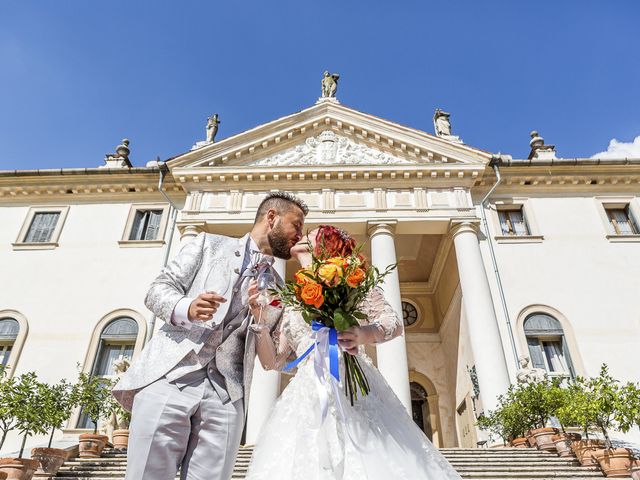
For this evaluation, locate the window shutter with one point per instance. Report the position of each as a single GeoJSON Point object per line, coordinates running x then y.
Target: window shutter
{"type": "Point", "coordinates": [42, 226]}
{"type": "Point", "coordinates": [567, 357]}
{"type": "Point", "coordinates": [504, 225]}
{"type": "Point", "coordinates": [536, 353]}
{"type": "Point", "coordinates": [519, 225]}
{"type": "Point", "coordinates": [137, 229]}
{"type": "Point", "coordinates": [153, 226]}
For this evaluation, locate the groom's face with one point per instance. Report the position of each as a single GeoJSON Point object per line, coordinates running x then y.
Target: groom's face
{"type": "Point", "coordinates": [285, 232]}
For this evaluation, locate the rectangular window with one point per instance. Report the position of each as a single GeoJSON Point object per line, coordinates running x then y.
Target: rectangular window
{"type": "Point", "coordinates": [5, 353]}
{"type": "Point", "coordinates": [146, 225]}
{"type": "Point", "coordinates": [621, 220]}
{"type": "Point", "coordinates": [42, 227]}
{"type": "Point", "coordinates": [512, 222]}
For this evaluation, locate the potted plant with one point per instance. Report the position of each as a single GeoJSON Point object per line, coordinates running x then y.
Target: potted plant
{"type": "Point", "coordinates": [507, 421]}
{"type": "Point", "coordinates": [120, 420]}
{"type": "Point", "coordinates": [93, 395]}
{"type": "Point", "coordinates": [56, 408]}
{"type": "Point", "coordinates": [606, 404]}
{"type": "Point", "coordinates": [578, 410]}
{"type": "Point", "coordinates": [540, 400]}
{"type": "Point", "coordinates": [24, 404]}
{"type": "Point", "coordinates": [7, 419]}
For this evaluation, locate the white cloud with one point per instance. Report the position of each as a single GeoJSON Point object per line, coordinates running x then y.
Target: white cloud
{"type": "Point", "coordinates": [619, 149]}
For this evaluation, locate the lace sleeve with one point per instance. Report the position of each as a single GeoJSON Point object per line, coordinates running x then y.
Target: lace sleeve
{"type": "Point", "coordinates": [284, 352]}
{"type": "Point", "coordinates": [381, 314]}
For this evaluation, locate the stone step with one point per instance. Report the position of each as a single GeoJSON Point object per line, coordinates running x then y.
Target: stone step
{"type": "Point", "coordinates": [471, 464]}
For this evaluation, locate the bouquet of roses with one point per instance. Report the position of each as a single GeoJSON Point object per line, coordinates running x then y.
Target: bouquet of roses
{"type": "Point", "coordinates": [329, 292]}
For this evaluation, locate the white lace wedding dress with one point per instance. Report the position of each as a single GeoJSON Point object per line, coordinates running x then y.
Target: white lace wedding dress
{"type": "Point", "coordinates": [377, 438]}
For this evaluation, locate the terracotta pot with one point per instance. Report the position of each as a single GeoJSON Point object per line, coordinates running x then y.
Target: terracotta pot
{"type": "Point", "coordinates": [614, 462]}
{"type": "Point", "coordinates": [18, 468]}
{"type": "Point", "coordinates": [635, 469]}
{"type": "Point", "coordinates": [583, 450]}
{"type": "Point", "coordinates": [520, 442]}
{"type": "Point", "coordinates": [3, 476]}
{"type": "Point", "coordinates": [562, 443]}
{"type": "Point", "coordinates": [120, 439]}
{"type": "Point", "coordinates": [543, 438]}
{"type": "Point", "coordinates": [530, 438]}
{"type": "Point", "coordinates": [51, 459]}
{"type": "Point", "coordinates": [91, 445]}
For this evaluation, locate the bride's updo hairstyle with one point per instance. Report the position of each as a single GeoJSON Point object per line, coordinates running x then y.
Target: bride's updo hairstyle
{"type": "Point", "coordinates": [333, 242]}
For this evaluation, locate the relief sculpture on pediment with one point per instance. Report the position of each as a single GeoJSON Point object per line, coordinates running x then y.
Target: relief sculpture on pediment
{"type": "Point", "coordinates": [328, 148]}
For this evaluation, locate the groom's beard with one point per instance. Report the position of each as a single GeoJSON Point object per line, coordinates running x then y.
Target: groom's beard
{"type": "Point", "coordinates": [279, 242]}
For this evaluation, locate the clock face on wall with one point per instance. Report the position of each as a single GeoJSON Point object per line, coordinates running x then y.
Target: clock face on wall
{"type": "Point", "coordinates": [409, 314]}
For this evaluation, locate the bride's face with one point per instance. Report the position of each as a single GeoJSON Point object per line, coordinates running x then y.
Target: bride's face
{"type": "Point", "coordinates": [306, 243]}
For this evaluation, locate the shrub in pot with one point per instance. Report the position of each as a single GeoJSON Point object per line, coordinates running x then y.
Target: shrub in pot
{"type": "Point", "coordinates": [25, 398]}
{"type": "Point", "coordinates": [607, 405]}
{"type": "Point", "coordinates": [508, 421]}
{"type": "Point", "coordinates": [93, 395]}
{"type": "Point", "coordinates": [579, 411]}
{"type": "Point", "coordinates": [118, 419]}
{"type": "Point", "coordinates": [540, 400]}
{"type": "Point", "coordinates": [56, 409]}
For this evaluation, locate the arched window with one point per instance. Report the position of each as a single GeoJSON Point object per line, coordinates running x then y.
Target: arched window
{"type": "Point", "coordinates": [9, 328]}
{"type": "Point", "coordinates": [548, 345]}
{"type": "Point", "coordinates": [118, 339]}
{"type": "Point", "coordinates": [409, 313]}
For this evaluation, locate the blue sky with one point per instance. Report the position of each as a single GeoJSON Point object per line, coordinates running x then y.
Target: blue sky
{"type": "Point", "coordinates": [78, 76]}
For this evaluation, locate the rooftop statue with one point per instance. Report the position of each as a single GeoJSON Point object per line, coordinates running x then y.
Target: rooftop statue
{"type": "Point", "coordinates": [212, 128]}
{"type": "Point", "coordinates": [329, 84]}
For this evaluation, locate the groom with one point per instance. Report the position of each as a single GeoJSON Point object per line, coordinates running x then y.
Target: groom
{"type": "Point", "coordinates": [189, 389]}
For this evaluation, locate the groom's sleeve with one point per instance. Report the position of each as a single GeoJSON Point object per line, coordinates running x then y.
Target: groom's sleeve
{"type": "Point", "coordinates": [173, 283]}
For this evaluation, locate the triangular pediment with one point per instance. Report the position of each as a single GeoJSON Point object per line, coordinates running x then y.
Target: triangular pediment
{"type": "Point", "coordinates": [329, 134]}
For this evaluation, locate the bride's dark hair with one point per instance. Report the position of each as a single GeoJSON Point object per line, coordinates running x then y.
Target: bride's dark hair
{"type": "Point", "coordinates": [333, 242]}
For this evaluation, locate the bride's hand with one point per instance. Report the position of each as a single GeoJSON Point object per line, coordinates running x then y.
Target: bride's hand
{"type": "Point", "coordinates": [254, 293]}
{"type": "Point", "coordinates": [351, 338]}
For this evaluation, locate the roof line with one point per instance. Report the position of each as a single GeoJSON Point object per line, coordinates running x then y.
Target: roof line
{"type": "Point", "coordinates": [563, 162]}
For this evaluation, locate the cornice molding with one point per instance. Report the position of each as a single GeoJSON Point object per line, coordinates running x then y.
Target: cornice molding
{"type": "Point", "coordinates": [55, 186]}
{"type": "Point", "coordinates": [286, 132]}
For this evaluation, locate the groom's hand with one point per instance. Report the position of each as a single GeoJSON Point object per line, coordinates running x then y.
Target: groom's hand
{"type": "Point", "coordinates": [204, 306]}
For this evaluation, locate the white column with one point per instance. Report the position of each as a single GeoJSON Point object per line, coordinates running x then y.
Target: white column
{"type": "Point", "coordinates": [486, 344]}
{"type": "Point", "coordinates": [392, 355]}
{"type": "Point", "coordinates": [265, 387]}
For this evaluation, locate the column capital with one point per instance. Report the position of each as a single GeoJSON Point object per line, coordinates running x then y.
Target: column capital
{"type": "Point", "coordinates": [190, 230]}
{"type": "Point", "coordinates": [375, 227]}
{"type": "Point", "coordinates": [460, 226]}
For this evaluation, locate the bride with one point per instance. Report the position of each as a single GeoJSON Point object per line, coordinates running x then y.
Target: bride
{"type": "Point", "coordinates": [373, 439]}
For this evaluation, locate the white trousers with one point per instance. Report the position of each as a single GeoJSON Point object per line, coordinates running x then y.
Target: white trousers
{"type": "Point", "coordinates": [184, 428]}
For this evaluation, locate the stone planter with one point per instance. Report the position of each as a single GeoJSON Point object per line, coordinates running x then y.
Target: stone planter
{"type": "Point", "coordinates": [51, 459]}
{"type": "Point", "coordinates": [543, 438]}
{"type": "Point", "coordinates": [520, 442]}
{"type": "Point", "coordinates": [635, 469]}
{"type": "Point", "coordinates": [583, 450]}
{"type": "Point", "coordinates": [91, 445]}
{"type": "Point", "coordinates": [18, 468]}
{"type": "Point", "coordinates": [614, 462]}
{"type": "Point", "coordinates": [120, 439]}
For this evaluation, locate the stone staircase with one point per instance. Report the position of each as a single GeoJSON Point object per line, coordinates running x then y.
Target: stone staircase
{"type": "Point", "coordinates": [472, 464]}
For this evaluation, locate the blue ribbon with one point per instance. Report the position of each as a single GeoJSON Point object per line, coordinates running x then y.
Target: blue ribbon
{"type": "Point", "coordinates": [334, 367]}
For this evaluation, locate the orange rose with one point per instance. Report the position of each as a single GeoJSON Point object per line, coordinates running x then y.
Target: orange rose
{"type": "Point", "coordinates": [331, 274]}
{"type": "Point", "coordinates": [302, 276]}
{"type": "Point", "coordinates": [311, 294]}
{"type": "Point", "coordinates": [356, 277]}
